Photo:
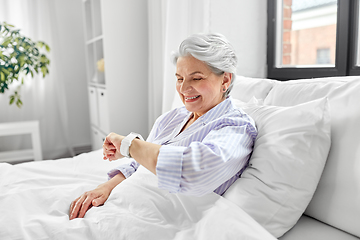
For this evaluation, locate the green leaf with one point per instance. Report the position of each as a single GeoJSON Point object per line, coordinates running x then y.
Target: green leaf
{"type": "Point", "coordinates": [44, 70]}
{"type": "Point", "coordinates": [12, 99]}
{"type": "Point", "coordinates": [19, 53]}
{"type": "Point", "coordinates": [40, 44]}
{"type": "Point", "coordinates": [6, 41]}
{"type": "Point", "coordinates": [21, 60]}
{"type": "Point", "coordinates": [19, 103]}
{"type": "Point", "coordinates": [8, 25]}
{"type": "Point", "coordinates": [47, 48]}
{"type": "Point", "coordinates": [5, 71]}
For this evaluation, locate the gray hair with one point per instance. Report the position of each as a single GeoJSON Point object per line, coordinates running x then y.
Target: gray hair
{"type": "Point", "coordinates": [214, 50]}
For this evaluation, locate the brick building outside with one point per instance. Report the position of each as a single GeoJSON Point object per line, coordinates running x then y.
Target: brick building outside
{"type": "Point", "coordinates": [309, 32]}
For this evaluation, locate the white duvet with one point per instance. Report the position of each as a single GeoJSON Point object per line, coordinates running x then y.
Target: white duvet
{"type": "Point", "coordinates": [35, 199]}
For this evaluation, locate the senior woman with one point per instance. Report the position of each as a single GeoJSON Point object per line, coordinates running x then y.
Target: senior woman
{"type": "Point", "coordinates": [196, 149]}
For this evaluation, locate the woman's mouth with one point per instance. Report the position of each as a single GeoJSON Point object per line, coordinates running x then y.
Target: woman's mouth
{"type": "Point", "coordinates": [193, 98]}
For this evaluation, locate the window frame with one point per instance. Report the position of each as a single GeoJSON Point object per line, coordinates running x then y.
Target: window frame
{"type": "Point", "coordinates": [354, 34]}
{"type": "Point", "coordinates": [346, 33]}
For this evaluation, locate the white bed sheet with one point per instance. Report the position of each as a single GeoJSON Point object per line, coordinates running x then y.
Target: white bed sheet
{"type": "Point", "coordinates": [35, 199]}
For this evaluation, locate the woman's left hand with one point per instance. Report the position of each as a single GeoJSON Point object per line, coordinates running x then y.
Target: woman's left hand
{"type": "Point", "coordinates": [111, 147]}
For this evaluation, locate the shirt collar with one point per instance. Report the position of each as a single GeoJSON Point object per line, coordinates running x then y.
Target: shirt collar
{"type": "Point", "coordinates": [217, 111]}
{"type": "Point", "coordinates": [214, 113]}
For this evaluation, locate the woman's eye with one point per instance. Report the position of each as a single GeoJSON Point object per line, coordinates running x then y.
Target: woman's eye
{"type": "Point", "coordinates": [197, 79]}
{"type": "Point", "coordinates": [179, 79]}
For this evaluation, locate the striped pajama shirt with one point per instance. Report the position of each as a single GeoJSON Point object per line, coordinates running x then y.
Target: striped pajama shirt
{"type": "Point", "coordinates": [207, 156]}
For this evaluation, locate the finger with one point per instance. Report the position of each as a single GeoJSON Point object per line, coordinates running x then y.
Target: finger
{"type": "Point", "coordinates": [111, 147]}
{"type": "Point", "coordinates": [114, 140]}
{"type": "Point", "coordinates": [72, 206]}
{"type": "Point", "coordinates": [108, 147]}
{"type": "Point", "coordinates": [107, 152]}
{"type": "Point", "coordinates": [107, 157]}
{"type": "Point", "coordinates": [86, 205]}
{"type": "Point", "coordinates": [112, 157]}
{"type": "Point", "coordinates": [99, 201]}
{"type": "Point", "coordinates": [76, 207]}
{"type": "Point", "coordinates": [108, 140]}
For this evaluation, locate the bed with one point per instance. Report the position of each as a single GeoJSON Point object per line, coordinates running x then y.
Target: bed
{"type": "Point", "coordinates": [302, 180]}
{"type": "Point", "coordinates": [35, 199]}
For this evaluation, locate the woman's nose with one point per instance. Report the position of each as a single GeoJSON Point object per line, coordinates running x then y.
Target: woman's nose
{"type": "Point", "coordinates": [185, 86]}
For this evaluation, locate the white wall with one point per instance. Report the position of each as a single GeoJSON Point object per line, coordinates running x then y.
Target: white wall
{"type": "Point", "coordinates": [244, 23]}
{"type": "Point", "coordinates": [125, 32]}
{"type": "Point", "coordinates": [71, 34]}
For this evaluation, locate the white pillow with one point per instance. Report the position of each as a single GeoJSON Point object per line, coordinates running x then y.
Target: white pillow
{"type": "Point", "coordinates": [245, 88]}
{"type": "Point", "coordinates": [337, 199]}
{"type": "Point", "coordinates": [288, 158]}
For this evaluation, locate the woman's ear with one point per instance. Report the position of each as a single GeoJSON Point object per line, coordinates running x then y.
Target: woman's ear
{"type": "Point", "coordinates": [226, 80]}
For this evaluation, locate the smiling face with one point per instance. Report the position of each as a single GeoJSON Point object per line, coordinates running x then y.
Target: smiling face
{"type": "Point", "coordinates": [198, 87]}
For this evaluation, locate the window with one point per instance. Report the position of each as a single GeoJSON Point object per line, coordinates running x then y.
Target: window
{"type": "Point", "coordinates": [323, 57]}
{"type": "Point", "coordinates": [313, 38]}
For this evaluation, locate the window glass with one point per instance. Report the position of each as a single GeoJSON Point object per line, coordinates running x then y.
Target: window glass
{"type": "Point", "coordinates": [306, 33]}
{"type": "Point", "coordinates": [323, 56]}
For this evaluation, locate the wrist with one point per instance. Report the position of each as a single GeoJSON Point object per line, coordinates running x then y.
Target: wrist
{"type": "Point", "coordinates": [126, 143]}
{"type": "Point", "coordinates": [113, 182]}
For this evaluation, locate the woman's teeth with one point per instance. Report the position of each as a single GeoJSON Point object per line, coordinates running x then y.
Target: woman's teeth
{"type": "Point", "coordinates": [190, 98]}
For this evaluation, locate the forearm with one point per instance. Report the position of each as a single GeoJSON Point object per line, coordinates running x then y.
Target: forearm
{"type": "Point", "coordinates": [145, 153]}
{"type": "Point", "coordinates": [113, 182]}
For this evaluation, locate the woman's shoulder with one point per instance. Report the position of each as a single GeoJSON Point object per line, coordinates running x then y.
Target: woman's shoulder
{"type": "Point", "coordinates": [236, 116]}
{"type": "Point", "coordinates": [175, 113]}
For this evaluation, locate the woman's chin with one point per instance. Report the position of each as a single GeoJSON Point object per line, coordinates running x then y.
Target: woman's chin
{"type": "Point", "coordinates": [189, 107]}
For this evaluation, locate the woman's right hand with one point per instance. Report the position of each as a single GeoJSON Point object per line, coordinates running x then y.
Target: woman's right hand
{"type": "Point", "coordinates": [82, 204]}
{"type": "Point", "coordinates": [111, 146]}
{"type": "Point", "coordinates": [95, 197]}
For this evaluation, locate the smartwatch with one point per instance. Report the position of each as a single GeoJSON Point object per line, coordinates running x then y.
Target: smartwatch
{"type": "Point", "coordinates": [126, 143]}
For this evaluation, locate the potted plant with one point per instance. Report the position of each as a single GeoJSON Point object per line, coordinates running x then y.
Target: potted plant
{"type": "Point", "coordinates": [19, 56]}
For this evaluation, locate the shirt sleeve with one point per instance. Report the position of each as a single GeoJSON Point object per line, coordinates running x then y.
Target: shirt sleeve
{"type": "Point", "coordinates": [203, 166]}
{"type": "Point", "coordinates": [127, 169]}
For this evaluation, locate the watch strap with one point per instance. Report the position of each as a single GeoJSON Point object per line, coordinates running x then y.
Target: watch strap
{"type": "Point", "coordinates": [126, 143]}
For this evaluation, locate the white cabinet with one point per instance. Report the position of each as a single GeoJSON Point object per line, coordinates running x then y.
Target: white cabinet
{"type": "Point", "coordinates": [103, 112]}
{"type": "Point", "coordinates": [93, 103]}
{"type": "Point", "coordinates": [97, 138]}
{"type": "Point", "coordinates": [98, 103]}
{"type": "Point", "coordinates": [93, 40]}
{"type": "Point", "coordinates": [94, 50]}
